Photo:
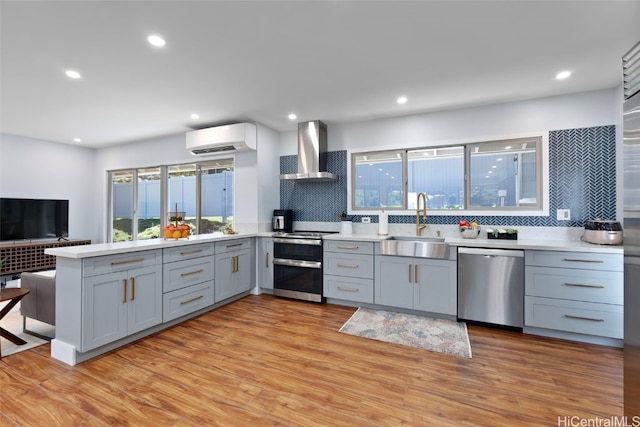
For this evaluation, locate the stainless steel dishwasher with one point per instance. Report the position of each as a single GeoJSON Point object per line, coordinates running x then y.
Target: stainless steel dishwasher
{"type": "Point", "coordinates": [491, 286]}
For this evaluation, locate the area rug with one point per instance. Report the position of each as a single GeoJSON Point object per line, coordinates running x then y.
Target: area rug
{"type": "Point", "coordinates": [13, 323]}
{"type": "Point", "coordinates": [440, 335]}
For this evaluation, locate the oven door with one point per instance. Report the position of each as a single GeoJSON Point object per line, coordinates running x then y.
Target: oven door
{"type": "Point", "coordinates": [297, 249]}
{"type": "Point", "coordinates": [298, 279]}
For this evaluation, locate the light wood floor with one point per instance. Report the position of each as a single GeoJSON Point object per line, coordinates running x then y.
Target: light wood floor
{"type": "Point", "coordinates": [268, 361]}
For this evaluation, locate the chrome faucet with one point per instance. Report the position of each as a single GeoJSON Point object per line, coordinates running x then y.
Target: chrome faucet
{"type": "Point", "coordinates": [420, 227]}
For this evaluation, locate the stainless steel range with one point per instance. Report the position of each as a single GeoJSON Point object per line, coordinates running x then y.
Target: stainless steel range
{"type": "Point", "coordinates": [297, 260]}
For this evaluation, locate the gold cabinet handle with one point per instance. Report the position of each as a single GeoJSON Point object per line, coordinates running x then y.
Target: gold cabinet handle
{"type": "Point", "coordinates": [191, 272]}
{"type": "Point", "coordinates": [348, 265]}
{"type": "Point", "coordinates": [266, 261]}
{"type": "Point", "coordinates": [129, 261]}
{"type": "Point", "coordinates": [344, 288]}
{"type": "Point", "coordinates": [410, 280]}
{"type": "Point", "coordinates": [133, 288]}
{"type": "Point", "coordinates": [191, 300]}
{"type": "Point", "coordinates": [415, 272]}
{"type": "Point", "coordinates": [124, 293]}
{"type": "Point", "coordinates": [194, 251]}
{"type": "Point", "coordinates": [580, 285]}
{"type": "Point", "coordinates": [347, 247]}
{"type": "Point", "coordinates": [234, 245]}
{"type": "Point", "coordinates": [596, 261]}
{"type": "Point", "coordinates": [234, 264]}
{"type": "Point", "coordinates": [592, 319]}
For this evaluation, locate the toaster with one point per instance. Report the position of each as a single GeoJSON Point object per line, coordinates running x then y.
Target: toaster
{"type": "Point", "coordinates": [603, 232]}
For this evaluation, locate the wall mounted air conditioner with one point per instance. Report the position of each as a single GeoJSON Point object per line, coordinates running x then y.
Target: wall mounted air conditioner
{"type": "Point", "coordinates": [222, 139]}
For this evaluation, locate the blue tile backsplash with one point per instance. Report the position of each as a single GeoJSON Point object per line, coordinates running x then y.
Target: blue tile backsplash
{"type": "Point", "coordinates": [582, 177]}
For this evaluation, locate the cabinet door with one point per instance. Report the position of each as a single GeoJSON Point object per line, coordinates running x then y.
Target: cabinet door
{"type": "Point", "coordinates": [436, 286]}
{"type": "Point", "coordinates": [265, 263]}
{"type": "Point", "coordinates": [232, 274]}
{"type": "Point", "coordinates": [144, 298]}
{"type": "Point", "coordinates": [104, 309]}
{"type": "Point", "coordinates": [393, 285]}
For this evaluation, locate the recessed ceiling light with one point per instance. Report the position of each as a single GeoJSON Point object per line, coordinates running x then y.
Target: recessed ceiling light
{"type": "Point", "coordinates": [72, 74]}
{"type": "Point", "coordinates": [195, 116]}
{"type": "Point", "coordinates": [77, 140]}
{"type": "Point", "coordinates": [402, 100]}
{"type": "Point", "coordinates": [292, 116]}
{"type": "Point", "coordinates": [563, 75]}
{"type": "Point", "coordinates": [156, 40]}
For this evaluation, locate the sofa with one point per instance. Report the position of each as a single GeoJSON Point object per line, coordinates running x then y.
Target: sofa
{"type": "Point", "coordinates": [40, 303]}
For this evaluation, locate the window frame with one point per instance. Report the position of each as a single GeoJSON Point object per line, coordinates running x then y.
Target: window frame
{"type": "Point", "coordinates": [541, 208]}
{"type": "Point", "coordinates": [164, 193]}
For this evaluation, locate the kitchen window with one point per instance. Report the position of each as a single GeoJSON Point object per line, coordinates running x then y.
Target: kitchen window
{"type": "Point", "coordinates": [204, 191]}
{"type": "Point", "coordinates": [489, 176]}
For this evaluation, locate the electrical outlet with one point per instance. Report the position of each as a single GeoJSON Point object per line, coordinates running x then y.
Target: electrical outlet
{"type": "Point", "coordinates": [564, 214]}
{"type": "Point", "coordinates": [366, 220]}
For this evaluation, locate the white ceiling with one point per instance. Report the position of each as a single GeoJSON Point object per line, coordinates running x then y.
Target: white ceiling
{"type": "Point", "coordinates": [337, 61]}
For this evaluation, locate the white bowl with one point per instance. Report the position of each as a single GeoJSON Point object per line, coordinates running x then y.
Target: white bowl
{"type": "Point", "coordinates": [469, 231]}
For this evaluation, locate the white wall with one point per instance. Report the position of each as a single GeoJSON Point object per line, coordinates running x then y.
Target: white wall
{"type": "Point", "coordinates": [585, 109]}
{"type": "Point", "coordinates": [32, 168]}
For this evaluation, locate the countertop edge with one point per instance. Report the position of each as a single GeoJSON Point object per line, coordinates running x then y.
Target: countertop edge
{"type": "Point", "coordinates": [101, 249]}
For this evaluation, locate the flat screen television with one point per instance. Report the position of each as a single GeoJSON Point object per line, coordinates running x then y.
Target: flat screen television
{"type": "Point", "coordinates": [27, 219]}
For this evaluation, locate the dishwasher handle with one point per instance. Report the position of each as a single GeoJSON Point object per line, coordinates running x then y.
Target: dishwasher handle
{"type": "Point", "coordinates": [492, 252]}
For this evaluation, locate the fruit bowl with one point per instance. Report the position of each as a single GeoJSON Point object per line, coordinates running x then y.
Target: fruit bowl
{"type": "Point", "coordinates": [173, 231]}
{"type": "Point", "coordinates": [469, 231]}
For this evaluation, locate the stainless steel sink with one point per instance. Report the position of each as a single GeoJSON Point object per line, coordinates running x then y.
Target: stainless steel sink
{"type": "Point", "coordinates": [421, 247]}
{"type": "Point", "coordinates": [417, 238]}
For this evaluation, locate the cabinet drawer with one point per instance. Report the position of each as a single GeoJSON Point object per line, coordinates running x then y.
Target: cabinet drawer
{"type": "Point", "coordinates": [349, 289]}
{"type": "Point", "coordinates": [348, 247]}
{"type": "Point", "coordinates": [180, 274]}
{"type": "Point", "coordinates": [187, 300]}
{"type": "Point", "coordinates": [187, 252]}
{"type": "Point", "coordinates": [112, 263]}
{"type": "Point", "coordinates": [232, 245]}
{"type": "Point", "coordinates": [579, 260]}
{"type": "Point", "coordinates": [580, 285]}
{"type": "Point", "coordinates": [604, 320]}
{"type": "Point", "coordinates": [349, 265]}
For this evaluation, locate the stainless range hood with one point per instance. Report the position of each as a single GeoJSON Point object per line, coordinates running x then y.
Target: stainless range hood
{"type": "Point", "coordinates": [312, 153]}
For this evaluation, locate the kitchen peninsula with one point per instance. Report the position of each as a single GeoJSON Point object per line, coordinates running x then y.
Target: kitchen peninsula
{"type": "Point", "coordinates": [112, 294]}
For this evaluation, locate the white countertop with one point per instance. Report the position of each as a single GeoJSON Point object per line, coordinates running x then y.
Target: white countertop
{"type": "Point", "coordinates": [100, 249]}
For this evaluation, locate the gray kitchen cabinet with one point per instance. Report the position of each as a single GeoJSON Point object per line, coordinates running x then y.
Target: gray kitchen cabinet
{"type": "Point", "coordinates": [188, 280]}
{"type": "Point", "coordinates": [265, 262]}
{"type": "Point", "coordinates": [416, 283]}
{"type": "Point", "coordinates": [348, 270]}
{"type": "Point", "coordinates": [575, 292]}
{"type": "Point", "coordinates": [233, 268]}
{"type": "Point", "coordinates": [121, 302]}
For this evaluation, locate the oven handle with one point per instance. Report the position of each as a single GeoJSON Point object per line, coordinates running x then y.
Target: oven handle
{"type": "Point", "coordinates": [297, 263]}
{"type": "Point", "coordinates": [312, 242]}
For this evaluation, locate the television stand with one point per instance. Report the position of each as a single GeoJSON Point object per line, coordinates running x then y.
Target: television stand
{"type": "Point", "coordinates": [30, 256]}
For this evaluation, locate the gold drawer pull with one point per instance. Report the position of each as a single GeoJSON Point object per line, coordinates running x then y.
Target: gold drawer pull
{"type": "Point", "coordinates": [344, 288]}
{"type": "Point", "coordinates": [348, 265]}
{"type": "Point", "coordinates": [195, 251]}
{"type": "Point", "coordinates": [596, 261]}
{"type": "Point", "coordinates": [191, 300]}
{"type": "Point", "coordinates": [129, 261]}
{"type": "Point", "coordinates": [234, 245]}
{"type": "Point", "coordinates": [191, 272]}
{"type": "Point", "coordinates": [580, 285]}
{"type": "Point", "coordinates": [569, 316]}
{"type": "Point", "coordinates": [347, 247]}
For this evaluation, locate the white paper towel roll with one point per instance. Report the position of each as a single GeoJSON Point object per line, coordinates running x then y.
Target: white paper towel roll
{"type": "Point", "coordinates": [383, 224]}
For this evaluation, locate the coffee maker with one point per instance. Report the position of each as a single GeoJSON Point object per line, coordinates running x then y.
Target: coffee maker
{"type": "Point", "coordinates": [283, 220]}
